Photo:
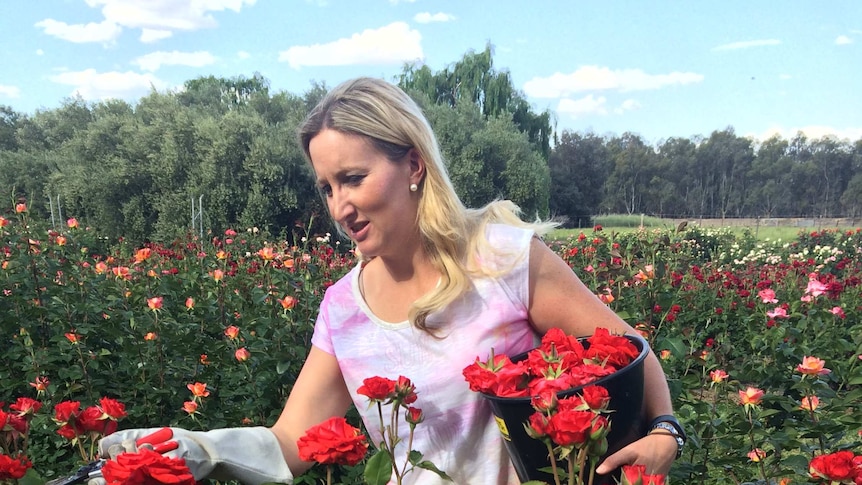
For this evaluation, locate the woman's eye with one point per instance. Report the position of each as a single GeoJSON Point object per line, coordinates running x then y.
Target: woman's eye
{"type": "Point", "coordinates": [326, 190]}
{"type": "Point", "coordinates": [355, 179]}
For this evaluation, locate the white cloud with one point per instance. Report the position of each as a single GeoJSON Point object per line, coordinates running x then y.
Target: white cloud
{"type": "Point", "coordinates": [746, 44]}
{"type": "Point", "coordinates": [393, 44]}
{"type": "Point", "coordinates": [243, 55]}
{"type": "Point", "coordinates": [9, 91]}
{"type": "Point", "coordinates": [595, 78]}
{"type": "Point", "coordinates": [628, 105]}
{"type": "Point", "coordinates": [40, 52]}
{"type": "Point", "coordinates": [92, 85]}
{"type": "Point", "coordinates": [155, 60]}
{"type": "Point", "coordinates": [812, 132]}
{"type": "Point", "coordinates": [428, 17]}
{"type": "Point", "coordinates": [396, 2]}
{"type": "Point", "coordinates": [105, 31]}
{"type": "Point", "coordinates": [785, 77]}
{"type": "Point", "coordinates": [588, 105]}
{"type": "Point", "coordinates": [156, 18]}
{"type": "Point", "coordinates": [167, 14]}
{"type": "Point", "coordinates": [843, 40]}
{"type": "Point", "coordinates": [153, 35]}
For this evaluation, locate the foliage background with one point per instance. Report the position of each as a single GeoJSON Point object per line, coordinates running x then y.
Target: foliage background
{"type": "Point", "coordinates": [134, 170]}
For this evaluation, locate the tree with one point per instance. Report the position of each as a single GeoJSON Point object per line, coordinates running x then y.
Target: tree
{"type": "Point", "coordinates": [770, 179]}
{"type": "Point", "coordinates": [222, 94]}
{"type": "Point", "coordinates": [725, 158]}
{"type": "Point", "coordinates": [676, 164]}
{"type": "Point", "coordinates": [579, 166]}
{"type": "Point", "coordinates": [8, 125]}
{"type": "Point", "coordinates": [632, 160]}
{"type": "Point", "coordinates": [474, 79]}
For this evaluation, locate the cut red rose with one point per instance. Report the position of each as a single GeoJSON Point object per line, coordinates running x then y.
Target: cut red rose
{"type": "Point", "coordinates": [570, 427]}
{"type": "Point", "coordinates": [147, 467]}
{"type": "Point", "coordinates": [561, 362]}
{"type": "Point", "coordinates": [333, 442]}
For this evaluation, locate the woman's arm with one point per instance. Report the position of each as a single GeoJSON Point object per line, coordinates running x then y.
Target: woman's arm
{"type": "Point", "coordinates": [558, 298]}
{"type": "Point", "coordinates": [318, 394]}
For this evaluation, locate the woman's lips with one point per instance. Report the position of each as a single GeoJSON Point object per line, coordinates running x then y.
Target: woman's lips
{"type": "Point", "coordinates": [356, 230]}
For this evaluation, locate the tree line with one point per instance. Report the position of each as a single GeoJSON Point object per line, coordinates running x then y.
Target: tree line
{"type": "Point", "coordinates": [132, 170]}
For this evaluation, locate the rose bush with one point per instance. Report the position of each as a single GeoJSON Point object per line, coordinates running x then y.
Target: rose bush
{"type": "Point", "coordinates": [724, 313]}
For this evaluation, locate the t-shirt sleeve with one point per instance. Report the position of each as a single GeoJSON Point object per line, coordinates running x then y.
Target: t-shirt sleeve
{"type": "Point", "coordinates": [513, 246]}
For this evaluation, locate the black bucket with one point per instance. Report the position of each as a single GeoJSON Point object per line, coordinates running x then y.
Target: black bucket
{"type": "Point", "coordinates": [626, 391]}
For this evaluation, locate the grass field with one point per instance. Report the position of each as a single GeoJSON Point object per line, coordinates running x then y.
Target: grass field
{"type": "Point", "coordinates": [776, 229]}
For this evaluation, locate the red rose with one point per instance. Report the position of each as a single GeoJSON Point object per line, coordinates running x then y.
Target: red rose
{"type": "Point", "coordinates": [596, 397]}
{"type": "Point", "coordinates": [65, 410]}
{"type": "Point", "coordinates": [480, 379]}
{"type": "Point", "coordinates": [835, 467]}
{"type": "Point", "coordinates": [556, 338]}
{"type": "Point", "coordinates": [147, 467]}
{"type": "Point", "coordinates": [377, 388]}
{"type": "Point", "coordinates": [572, 403]}
{"type": "Point", "coordinates": [537, 426]}
{"type": "Point", "coordinates": [90, 420]}
{"type": "Point", "coordinates": [19, 424]}
{"type": "Point", "coordinates": [551, 384]}
{"type": "Point", "coordinates": [414, 416]}
{"type": "Point", "coordinates": [616, 350]}
{"type": "Point", "coordinates": [333, 442]}
{"type": "Point", "coordinates": [545, 403]}
{"type": "Point", "coordinates": [637, 475]}
{"type": "Point", "coordinates": [67, 431]}
{"type": "Point", "coordinates": [584, 374]}
{"type": "Point", "coordinates": [13, 468]}
{"type": "Point", "coordinates": [405, 391]}
{"type": "Point", "coordinates": [499, 376]}
{"type": "Point", "coordinates": [112, 408]}
{"type": "Point", "coordinates": [568, 428]}
{"type": "Point", "coordinates": [26, 405]}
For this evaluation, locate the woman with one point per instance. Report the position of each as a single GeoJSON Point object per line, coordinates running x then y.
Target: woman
{"type": "Point", "coordinates": [438, 286]}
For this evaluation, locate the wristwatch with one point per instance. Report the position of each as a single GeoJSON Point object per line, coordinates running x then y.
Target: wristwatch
{"type": "Point", "coordinates": [672, 426]}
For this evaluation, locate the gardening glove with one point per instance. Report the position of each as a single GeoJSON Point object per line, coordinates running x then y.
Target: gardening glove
{"type": "Point", "coordinates": [250, 455]}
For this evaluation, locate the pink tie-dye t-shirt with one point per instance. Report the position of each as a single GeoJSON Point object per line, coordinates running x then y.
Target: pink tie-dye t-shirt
{"type": "Point", "coordinates": [459, 434]}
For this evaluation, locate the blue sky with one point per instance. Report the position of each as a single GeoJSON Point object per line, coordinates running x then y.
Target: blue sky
{"type": "Point", "coordinates": [659, 69]}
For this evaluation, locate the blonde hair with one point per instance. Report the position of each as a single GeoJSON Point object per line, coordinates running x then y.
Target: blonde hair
{"type": "Point", "coordinates": [451, 233]}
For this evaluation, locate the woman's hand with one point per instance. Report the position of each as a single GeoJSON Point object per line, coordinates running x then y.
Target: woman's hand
{"type": "Point", "coordinates": [657, 451]}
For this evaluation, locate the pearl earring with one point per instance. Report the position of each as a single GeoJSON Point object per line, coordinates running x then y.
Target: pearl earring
{"type": "Point", "coordinates": [414, 187]}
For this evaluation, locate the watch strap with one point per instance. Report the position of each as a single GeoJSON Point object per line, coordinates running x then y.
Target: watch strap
{"type": "Point", "coordinates": [670, 425]}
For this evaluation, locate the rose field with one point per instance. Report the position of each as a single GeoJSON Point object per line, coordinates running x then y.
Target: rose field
{"type": "Point", "coordinates": [761, 340]}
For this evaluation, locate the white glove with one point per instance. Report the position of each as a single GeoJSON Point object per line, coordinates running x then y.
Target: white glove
{"type": "Point", "coordinates": [250, 455]}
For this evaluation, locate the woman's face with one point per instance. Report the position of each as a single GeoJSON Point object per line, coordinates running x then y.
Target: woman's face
{"type": "Point", "coordinates": [368, 195]}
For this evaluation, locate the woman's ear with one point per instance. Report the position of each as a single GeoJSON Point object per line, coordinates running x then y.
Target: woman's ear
{"type": "Point", "coordinates": [417, 166]}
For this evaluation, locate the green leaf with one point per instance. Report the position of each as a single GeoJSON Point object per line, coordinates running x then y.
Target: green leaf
{"type": "Point", "coordinates": [676, 346]}
{"type": "Point", "coordinates": [282, 366]}
{"type": "Point", "coordinates": [378, 469]}
{"type": "Point", "coordinates": [31, 478]}
{"type": "Point", "coordinates": [427, 465]}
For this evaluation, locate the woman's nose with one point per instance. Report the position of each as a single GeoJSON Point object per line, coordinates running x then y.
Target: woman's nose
{"type": "Point", "coordinates": [339, 205]}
